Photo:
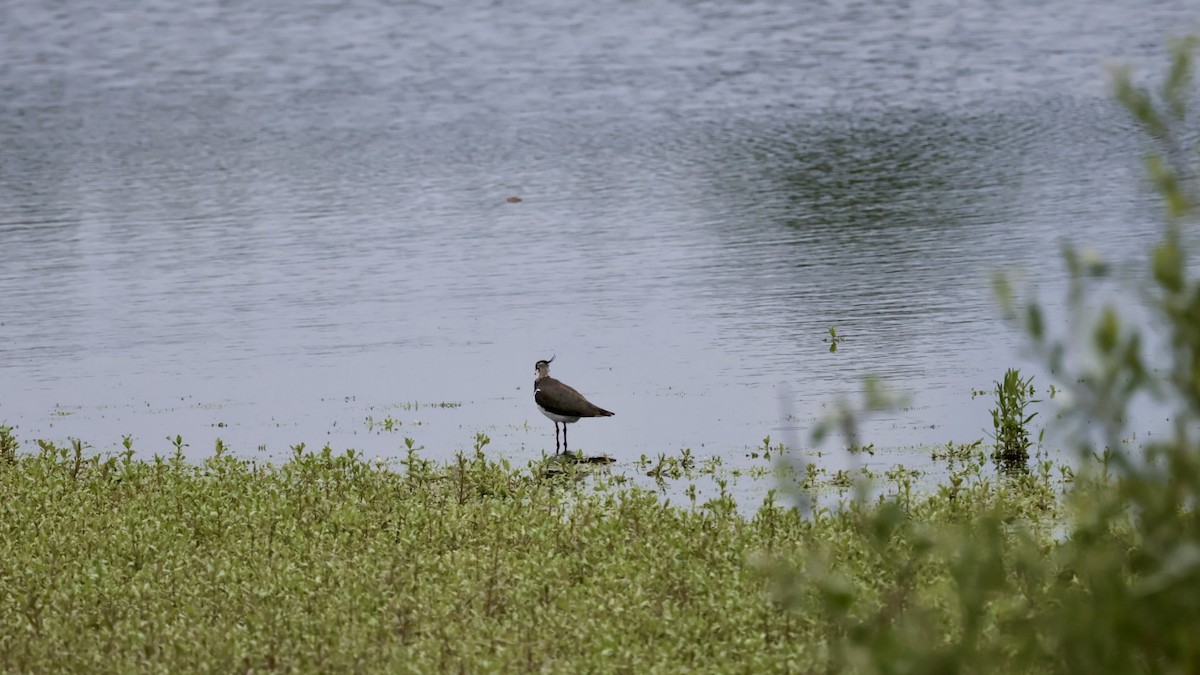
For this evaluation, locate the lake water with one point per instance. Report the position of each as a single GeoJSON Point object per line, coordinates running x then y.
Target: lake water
{"type": "Point", "coordinates": [275, 223]}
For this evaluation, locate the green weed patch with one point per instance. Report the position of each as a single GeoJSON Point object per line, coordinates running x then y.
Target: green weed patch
{"type": "Point", "coordinates": [327, 562]}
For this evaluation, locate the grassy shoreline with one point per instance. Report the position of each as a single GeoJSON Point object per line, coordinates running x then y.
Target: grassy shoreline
{"type": "Point", "coordinates": [327, 562]}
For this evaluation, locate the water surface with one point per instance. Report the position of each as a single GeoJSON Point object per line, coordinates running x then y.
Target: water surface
{"type": "Point", "coordinates": [280, 223]}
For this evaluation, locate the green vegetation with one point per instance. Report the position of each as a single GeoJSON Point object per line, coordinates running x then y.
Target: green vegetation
{"type": "Point", "coordinates": [1114, 589]}
{"type": "Point", "coordinates": [1010, 423]}
{"type": "Point", "coordinates": [328, 562]}
{"type": "Point", "coordinates": [388, 423]}
{"type": "Point", "coordinates": [834, 339]}
{"type": "Point", "coordinates": [8, 445]}
{"type": "Point", "coordinates": [391, 424]}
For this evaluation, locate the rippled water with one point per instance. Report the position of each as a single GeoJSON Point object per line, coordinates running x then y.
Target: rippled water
{"type": "Point", "coordinates": [270, 222]}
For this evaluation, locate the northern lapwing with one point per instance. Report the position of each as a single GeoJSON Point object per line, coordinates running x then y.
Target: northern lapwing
{"type": "Point", "coordinates": [560, 402]}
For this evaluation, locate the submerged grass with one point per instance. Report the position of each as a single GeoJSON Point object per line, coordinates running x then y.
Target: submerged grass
{"type": "Point", "coordinates": [328, 562]}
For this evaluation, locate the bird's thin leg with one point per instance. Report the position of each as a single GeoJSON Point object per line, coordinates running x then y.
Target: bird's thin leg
{"type": "Point", "coordinates": [564, 437]}
{"type": "Point", "coordinates": [556, 438]}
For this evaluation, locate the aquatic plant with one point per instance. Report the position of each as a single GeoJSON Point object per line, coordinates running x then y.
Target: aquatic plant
{"type": "Point", "coordinates": [1010, 422]}
{"type": "Point", "coordinates": [834, 339]}
{"type": "Point", "coordinates": [8, 445]}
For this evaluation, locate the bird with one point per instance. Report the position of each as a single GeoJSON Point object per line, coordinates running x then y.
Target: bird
{"type": "Point", "coordinates": [560, 402]}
